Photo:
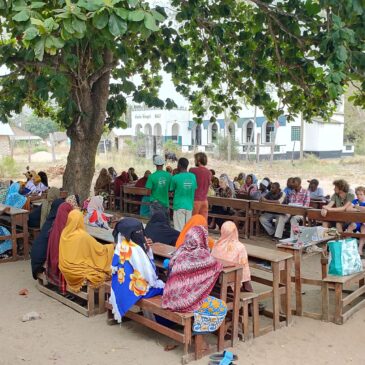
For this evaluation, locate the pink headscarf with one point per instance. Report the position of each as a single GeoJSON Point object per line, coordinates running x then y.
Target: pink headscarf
{"type": "Point", "coordinates": [193, 273]}
{"type": "Point", "coordinates": [229, 248]}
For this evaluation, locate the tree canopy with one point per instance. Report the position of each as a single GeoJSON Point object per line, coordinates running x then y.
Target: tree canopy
{"type": "Point", "coordinates": [76, 61]}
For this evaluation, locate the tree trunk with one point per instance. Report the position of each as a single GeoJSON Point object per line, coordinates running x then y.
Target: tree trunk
{"type": "Point", "coordinates": [85, 132]}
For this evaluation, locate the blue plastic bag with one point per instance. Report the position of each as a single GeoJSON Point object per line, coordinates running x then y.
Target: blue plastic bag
{"type": "Point", "coordinates": [345, 258]}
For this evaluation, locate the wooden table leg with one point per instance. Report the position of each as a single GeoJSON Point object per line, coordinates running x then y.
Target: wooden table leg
{"type": "Point", "coordinates": [25, 236]}
{"type": "Point", "coordinates": [287, 283]}
{"type": "Point", "coordinates": [222, 328]}
{"type": "Point", "coordinates": [298, 282]}
{"type": "Point", "coordinates": [236, 307]}
{"type": "Point", "coordinates": [276, 295]}
{"type": "Point", "coordinates": [13, 238]}
{"type": "Point", "coordinates": [325, 302]}
{"type": "Point", "coordinates": [338, 303]}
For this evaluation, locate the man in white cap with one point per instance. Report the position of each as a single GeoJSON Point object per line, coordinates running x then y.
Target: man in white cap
{"type": "Point", "coordinates": [159, 183]}
{"type": "Point", "coordinates": [262, 191]}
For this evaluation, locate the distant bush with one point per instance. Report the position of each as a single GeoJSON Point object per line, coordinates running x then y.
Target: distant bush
{"type": "Point", "coordinates": [222, 147]}
{"type": "Point", "coordinates": [40, 149]}
{"type": "Point", "coordinates": [8, 167]}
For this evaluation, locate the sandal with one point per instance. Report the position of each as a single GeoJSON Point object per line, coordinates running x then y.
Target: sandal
{"type": "Point", "coordinates": [226, 358]}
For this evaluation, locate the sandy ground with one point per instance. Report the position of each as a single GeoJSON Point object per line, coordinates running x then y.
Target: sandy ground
{"type": "Point", "coordinates": [63, 336]}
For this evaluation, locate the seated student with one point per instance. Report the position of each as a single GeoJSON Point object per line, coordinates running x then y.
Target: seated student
{"type": "Point", "coordinates": [158, 229]}
{"type": "Point", "coordinates": [289, 186]}
{"type": "Point", "coordinates": [266, 219]}
{"type": "Point", "coordinates": [30, 187]}
{"type": "Point", "coordinates": [214, 180]}
{"type": "Point", "coordinates": [169, 169]}
{"type": "Point", "coordinates": [13, 198]}
{"type": "Point", "coordinates": [250, 185]}
{"type": "Point", "coordinates": [52, 195]}
{"type": "Point", "coordinates": [133, 269]}
{"type": "Point", "coordinates": [119, 181]}
{"type": "Point", "coordinates": [95, 212]}
{"type": "Point", "coordinates": [74, 201]}
{"type": "Point", "coordinates": [225, 191]}
{"type": "Point", "coordinates": [52, 270]}
{"type": "Point", "coordinates": [132, 175]}
{"type": "Point", "coordinates": [262, 191]}
{"type": "Point", "coordinates": [144, 210]}
{"type": "Point", "coordinates": [240, 180]}
{"type": "Point", "coordinates": [193, 272]}
{"type": "Point", "coordinates": [44, 178]}
{"type": "Point", "coordinates": [196, 220]}
{"type": "Point", "coordinates": [81, 257]}
{"type": "Point", "coordinates": [7, 245]}
{"type": "Point", "coordinates": [229, 248]}
{"type": "Point", "coordinates": [38, 253]}
{"type": "Point", "coordinates": [113, 174]}
{"type": "Point", "coordinates": [340, 201]}
{"type": "Point", "coordinates": [103, 182]}
{"type": "Point", "coordinates": [358, 205]}
{"type": "Point", "coordinates": [298, 197]}
{"type": "Point", "coordinates": [316, 193]}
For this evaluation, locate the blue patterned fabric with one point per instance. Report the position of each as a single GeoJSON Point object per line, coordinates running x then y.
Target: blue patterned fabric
{"type": "Point", "coordinates": [210, 315]}
{"type": "Point", "coordinates": [5, 245]}
{"type": "Point", "coordinates": [13, 198]}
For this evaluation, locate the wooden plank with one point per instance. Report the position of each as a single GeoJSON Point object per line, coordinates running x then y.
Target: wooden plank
{"type": "Point", "coordinates": [63, 300]}
{"type": "Point", "coordinates": [345, 217]}
{"type": "Point", "coordinates": [355, 294]}
{"type": "Point", "coordinates": [277, 208]}
{"type": "Point", "coordinates": [338, 303]}
{"type": "Point", "coordinates": [276, 298]}
{"type": "Point", "coordinates": [298, 283]}
{"type": "Point", "coordinates": [352, 310]}
{"type": "Point", "coordinates": [344, 279]}
{"type": "Point", "coordinates": [287, 276]}
{"type": "Point", "coordinates": [156, 327]}
{"type": "Point", "coordinates": [266, 254]}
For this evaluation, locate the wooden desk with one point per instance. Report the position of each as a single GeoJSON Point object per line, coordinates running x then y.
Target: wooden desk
{"type": "Point", "coordinates": [298, 279]}
{"type": "Point", "coordinates": [231, 275]}
{"type": "Point", "coordinates": [258, 207]}
{"type": "Point", "coordinates": [281, 263]}
{"type": "Point", "coordinates": [17, 217]}
{"type": "Point", "coordinates": [100, 234]}
{"type": "Point", "coordinates": [239, 205]}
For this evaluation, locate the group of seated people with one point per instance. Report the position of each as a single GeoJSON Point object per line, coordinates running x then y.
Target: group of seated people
{"type": "Point", "coordinates": [69, 256]}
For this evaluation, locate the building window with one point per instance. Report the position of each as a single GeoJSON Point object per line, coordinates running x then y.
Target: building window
{"type": "Point", "coordinates": [175, 132]}
{"type": "Point", "coordinates": [214, 133]}
{"type": "Point", "coordinates": [249, 131]}
{"type": "Point", "coordinates": [269, 132]}
{"type": "Point", "coordinates": [295, 134]}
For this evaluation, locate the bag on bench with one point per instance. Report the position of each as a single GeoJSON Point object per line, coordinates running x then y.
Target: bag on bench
{"type": "Point", "coordinates": [345, 258]}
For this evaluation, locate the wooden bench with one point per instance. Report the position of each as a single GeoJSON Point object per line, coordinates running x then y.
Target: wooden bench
{"type": "Point", "coordinates": [183, 334]}
{"type": "Point", "coordinates": [246, 300]}
{"type": "Point", "coordinates": [344, 306]}
{"type": "Point", "coordinates": [129, 199]}
{"type": "Point", "coordinates": [258, 208]}
{"type": "Point", "coordinates": [33, 233]}
{"type": "Point", "coordinates": [314, 216]}
{"type": "Point", "coordinates": [241, 214]}
{"type": "Point", "coordinates": [89, 301]}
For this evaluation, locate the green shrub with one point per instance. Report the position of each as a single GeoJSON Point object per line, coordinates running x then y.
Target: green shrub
{"type": "Point", "coordinates": [222, 147]}
{"type": "Point", "coordinates": [8, 167]}
{"type": "Point", "coordinates": [40, 149]}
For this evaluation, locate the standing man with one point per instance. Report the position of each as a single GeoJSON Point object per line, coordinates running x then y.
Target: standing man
{"type": "Point", "coordinates": [183, 185]}
{"type": "Point", "coordinates": [158, 185]}
{"type": "Point", "coordinates": [203, 178]}
{"type": "Point", "coordinates": [297, 197]}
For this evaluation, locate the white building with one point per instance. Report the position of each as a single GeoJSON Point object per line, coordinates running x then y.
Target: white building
{"type": "Point", "coordinates": [155, 126]}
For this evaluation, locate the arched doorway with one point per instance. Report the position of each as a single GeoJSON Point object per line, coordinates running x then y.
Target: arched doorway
{"type": "Point", "coordinates": [148, 130]}
{"type": "Point", "coordinates": [175, 132]}
{"type": "Point", "coordinates": [157, 130]}
{"type": "Point", "coordinates": [249, 132]}
{"type": "Point", "coordinates": [198, 134]}
{"type": "Point", "coordinates": [157, 139]}
{"type": "Point", "coordinates": [138, 129]}
{"type": "Point", "coordinates": [268, 134]}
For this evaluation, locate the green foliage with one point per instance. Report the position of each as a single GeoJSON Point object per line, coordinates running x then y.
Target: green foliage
{"type": "Point", "coordinates": [40, 149]}
{"type": "Point", "coordinates": [222, 148]}
{"type": "Point", "coordinates": [8, 167]}
{"type": "Point", "coordinates": [41, 127]}
{"type": "Point", "coordinates": [171, 146]}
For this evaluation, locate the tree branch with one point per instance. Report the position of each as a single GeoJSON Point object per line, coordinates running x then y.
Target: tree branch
{"type": "Point", "coordinates": [99, 73]}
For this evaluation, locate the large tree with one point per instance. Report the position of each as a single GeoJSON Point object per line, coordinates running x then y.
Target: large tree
{"type": "Point", "coordinates": [75, 61]}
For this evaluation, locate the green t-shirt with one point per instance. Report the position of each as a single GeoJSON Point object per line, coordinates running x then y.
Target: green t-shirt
{"type": "Point", "coordinates": [183, 185]}
{"type": "Point", "coordinates": [341, 202]}
{"type": "Point", "coordinates": [159, 183]}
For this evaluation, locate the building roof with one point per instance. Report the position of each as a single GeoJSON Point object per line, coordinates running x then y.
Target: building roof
{"type": "Point", "coordinates": [5, 129]}
{"type": "Point", "coordinates": [22, 135]}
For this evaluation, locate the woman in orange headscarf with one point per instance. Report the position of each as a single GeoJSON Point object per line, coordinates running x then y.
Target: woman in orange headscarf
{"type": "Point", "coordinates": [195, 220]}
{"type": "Point", "coordinates": [229, 248]}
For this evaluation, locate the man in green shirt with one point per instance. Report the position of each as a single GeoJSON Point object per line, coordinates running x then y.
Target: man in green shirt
{"type": "Point", "coordinates": [183, 185]}
{"type": "Point", "coordinates": [158, 183]}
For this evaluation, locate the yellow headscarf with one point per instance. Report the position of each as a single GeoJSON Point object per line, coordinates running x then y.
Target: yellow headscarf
{"type": "Point", "coordinates": [81, 257]}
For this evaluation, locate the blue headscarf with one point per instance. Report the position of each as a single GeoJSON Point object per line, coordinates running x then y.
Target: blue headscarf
{"type": "Point", "coordinates": [13, 198]}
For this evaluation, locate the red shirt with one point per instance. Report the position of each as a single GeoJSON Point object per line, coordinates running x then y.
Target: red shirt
{"type": "Point", "coordinates": [203, 177]}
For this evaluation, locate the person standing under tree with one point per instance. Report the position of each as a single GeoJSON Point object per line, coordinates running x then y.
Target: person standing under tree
{"type": "Point", "coordinates": [183, 185]}
{"type": "Point", "coordinates": [158, 185]}
{"type": "Point", "coordinates": [203, 179]}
